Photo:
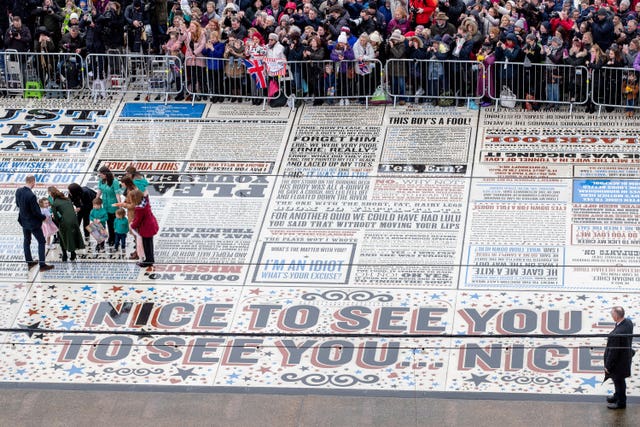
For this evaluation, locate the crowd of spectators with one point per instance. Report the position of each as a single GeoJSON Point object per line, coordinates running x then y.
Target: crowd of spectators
{"type": "Point", "coordinates": [579, 33]}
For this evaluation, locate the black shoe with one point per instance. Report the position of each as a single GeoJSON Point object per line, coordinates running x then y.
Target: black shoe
{"type": "Point", "coordinates": [32, 264]}
{"type": "Point", "coordinates": [611, 399]}
{"type": "Point", "coordinates": [616, 405]}
{"type": "Point", "coordinates": [73, 256]}
{"type": "Point", "coordinates": [46, 267]}
{"type": "Point", "coordinates": [144, 264]}
{"type": "Point", "coordinates": [64, 256]}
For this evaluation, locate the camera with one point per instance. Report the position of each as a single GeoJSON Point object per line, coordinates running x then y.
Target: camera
{"type": "Point", "coordinates": [413, 10]}
{"type": "Point", "coordinates": [14, 32]}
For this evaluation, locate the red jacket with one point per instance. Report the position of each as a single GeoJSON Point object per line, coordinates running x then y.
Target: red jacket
{"type": "Point", "coordinates": [144, 222]}
{"type": "Point", "coordinates": [427, 6]}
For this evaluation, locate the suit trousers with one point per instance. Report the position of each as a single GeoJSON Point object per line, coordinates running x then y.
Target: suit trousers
{"type": "Point", "coordinates": [620, 390]}
{"type": "Point", "coordinates": [39, 236]}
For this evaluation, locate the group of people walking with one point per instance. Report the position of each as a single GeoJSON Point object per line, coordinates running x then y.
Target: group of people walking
{"type": "Point", "coordinates": [108, 214]}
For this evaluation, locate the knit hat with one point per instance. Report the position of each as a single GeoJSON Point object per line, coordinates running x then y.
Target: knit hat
{"type": "Point", "coordinates": [375, 37]}
{"type": "Point", "coordinates": [396, 36]}
{"type": "Point", "coordinates": [273, 36]}
{"type": "Point", "coordinates": [557, 40]}
{"type": "Point", "coordinates": [73, 16]}
{"type": "Point", "coordinates": [342, 38]}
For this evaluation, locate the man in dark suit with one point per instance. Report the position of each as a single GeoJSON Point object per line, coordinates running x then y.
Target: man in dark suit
{"type": "Point", "coordinates": [30, 218]}
{"type": "Point", "coordinates": [617, 358]}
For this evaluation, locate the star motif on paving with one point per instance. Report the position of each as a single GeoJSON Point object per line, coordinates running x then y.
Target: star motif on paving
{"type": "Point", "coordinates": [589, 381]}
{"type": "Point", "coordinates": [13, 301]}
{"type": "Point", "coordinates": [264, 370]}
{"type": "Point", "coordinates": [184, 373]}
{"type": "Point", "coordinates": [75, 370]}
{"type": "Point", "coordinates": [579, 389]}
{"type": "Point", "coordinates": [116, 288]}
{"type": "Point", "coordinates": [32, 312]}
{"type": "Point", "coordinates": [29, 329]}
{"type": "Point", "coordinates": [478, 379]}
{"type": "Point", "coordinates": [67, 324]}
{"type": "Point", "coordinates": [255, 291]}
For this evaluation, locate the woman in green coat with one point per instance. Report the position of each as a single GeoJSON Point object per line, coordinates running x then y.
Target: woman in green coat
{"type": "Point", "coordinates": [63, 212]}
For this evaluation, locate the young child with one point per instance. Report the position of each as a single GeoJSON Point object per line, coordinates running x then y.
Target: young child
{"type": "Point", "coordinates": [48, 227]}
{"type": "Point", "coordinates": [98, 215]}
{"type": "Point", "coordinates": [630, 92]}
{"type": "Point", "coordinates": [121, 225]}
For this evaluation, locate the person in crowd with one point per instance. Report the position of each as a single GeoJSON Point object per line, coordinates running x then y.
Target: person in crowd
{"type": "Point", "coordinates": [50, 17]}
{"type": "Point", "coordinates": [577, 57]}
{"type": "Point", "coordinates": [602, 29]}
{"type": "Point", "coordinates": [113, 26]}
{"type": "Point", "coordinates": [337, 17]}
{"type": "Point", "coordinates": [49, 229]}
{"type": "Point", "coordinates": [342, 55]}
{"type": "Point", "coordinates": [145, 224]}
{"type": "Point", "coordinates": [315, 53]}
{"type": "Point", "coordinates": [630, 92]}
{"type": "Point", "coordinates": [422, 10]}
{"type": "Point", "coordinates": [194, 40]}
{"type": "Point", "coordinates": [396, 48]}
{"type": "Point", "coordinates": [64, 214]}
{"type": "Point", "coordinates": [235, 71]}
{"type": "Point", "coordinates": [137, 19]}
{"type": "Point", "coordinates": [110, 193]}
{"type": "Point", "coordinates": [365, 67]}
{"type": "Point", "coordinates": [17, 37]}
{"type": "Point", "coordinates": [82, 199]}
{"type": "Point", "coordinates": [596, 60]}
{"type": "Point", "coordinates": [442, 26]}
{"type": "Point", "coordinates": [214, 51]}
{"type": "Point", "coordinates": [30, 218]}
{"type": "Point", "coordinates": [400, 21]}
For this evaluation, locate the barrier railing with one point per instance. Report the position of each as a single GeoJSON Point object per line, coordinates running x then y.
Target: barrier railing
{"type": "Point", "coordinates": [615, 87]}
{"type": "Point", "coordinates": [228, 78]}
{"type": "Point", "coordinates": [61, 75]}
{"type": "Point", "coordinates": [37, 75]}
{"type": "Point", "coordinates": [333, 81]}
{"type": "Point", "coordinates": [441, 82]}
{"type": "Point", "coordinates": [539, 85]}
{"type": "Point", "coordinates": [112, 73]}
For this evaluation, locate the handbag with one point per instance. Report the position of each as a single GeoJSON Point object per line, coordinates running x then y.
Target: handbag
{"type": "Point", "coordinates": [507, 98]}
{"type": "Point", "coordinates": [274, 88]}
{"type": "Point", "coordinates": [380, 96]}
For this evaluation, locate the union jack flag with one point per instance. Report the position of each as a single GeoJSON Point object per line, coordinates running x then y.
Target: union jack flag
{"type": "Point", "coordinates": [363, 66]}
{"type": "Point", "coordinates": [255, 68]}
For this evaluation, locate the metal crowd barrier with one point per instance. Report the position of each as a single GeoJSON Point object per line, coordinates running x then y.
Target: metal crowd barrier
{"type": "Point", "coordinates": [444, 83]}
{"type": "Point", "coordinates": [535, 86]}
{"type": "Point", "coordinates": [333, 82]}
{"type": "Point", "coordinates": [539, 85]}
{"type": "Point", "coordinates": [112, 73]}
{"type": "Point", "coordinates": [229, 78]}
{"type": "Point", "coordinates": [38, 75]}
{"type": "Point", "coordinates": [615, 87]}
